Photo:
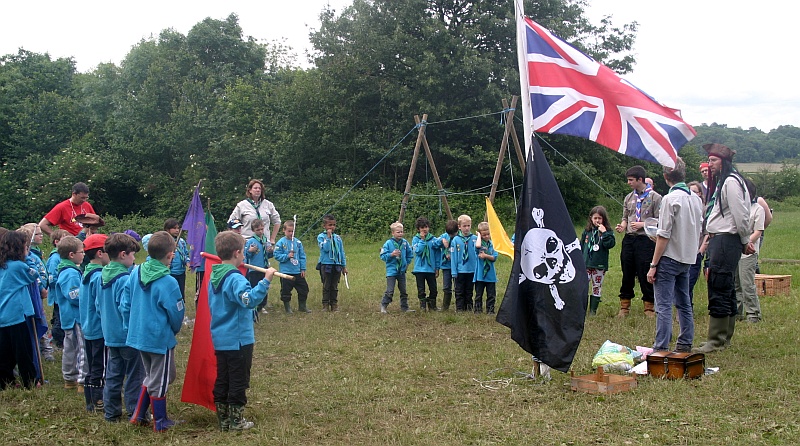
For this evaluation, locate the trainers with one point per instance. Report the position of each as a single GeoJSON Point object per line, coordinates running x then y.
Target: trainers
{"type": "Point", "coordinates": [264, 311]}
{"type": "Point", "coordinates": [384, 310]}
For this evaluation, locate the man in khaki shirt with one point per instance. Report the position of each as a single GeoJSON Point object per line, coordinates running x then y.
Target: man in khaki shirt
{"type": "Point", "coordinates": [637, 249]}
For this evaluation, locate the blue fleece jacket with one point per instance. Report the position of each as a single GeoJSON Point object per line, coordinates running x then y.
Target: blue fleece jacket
{"type": "Point", "coordinates": [67, 288]}
{"type": "Point", "coordinates": [111, 294]}
{"type": "Point", "coordinates": [427, 253]}
{"type": "Point", "coordinates": [15, 299]}
{"type": "Point", "coordinates": [462, 254]}
{"type": "Point", "coordinates": [331, 252]}
{"type": "Point", "coordinates": [282, 248]}
{"type": "Point", "coordinates": [231, 301]}
{"type": "Point", "coordinates": [87, 295]}
{"type": "Point", "coordinates": [484, 270]}
{"type": "Point", "coordinates": [152, 312]}
{"type": "Point", "coordinates": [396, 266]}
{"type": "Point", "coordinates": [258, 258]}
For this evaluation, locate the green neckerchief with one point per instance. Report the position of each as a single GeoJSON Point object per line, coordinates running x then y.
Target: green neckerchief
{"type": "Point", "coordinates": [90, 267]}
{"type": "Point", "coordinates": [487, 265]}
{"type": "Point", "coordinates": [680, 186]}
{"type": "Point", "coordinates": [397, 247]}
{"type": "Point", "coordinates": [152, 270]}
{"type": "Point", "coordinates": [464, 239]}
{"type": "Point", "coordinates": [112, 270]}
{"type": "Point", "coordinates": [66, 263]}
{"type": "Point", "coordinates": [334, 250]}
{"type": "Point", "coordinates": [426, 253]}
{"type": "Point", "coordinates": [255, 206]}
{"type": "Point", "coordinates": [219, 271]}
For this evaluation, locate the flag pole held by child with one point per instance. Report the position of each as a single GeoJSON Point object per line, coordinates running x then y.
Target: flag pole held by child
{"type": "Point", "coordinates": [264, 270]}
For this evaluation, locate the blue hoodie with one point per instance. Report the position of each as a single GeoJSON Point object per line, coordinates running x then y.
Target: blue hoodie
{"type": "Point", "coordinates": [231, 301]}
{"type": "Point", "coordinates": [331, 252]}
{"type": "Point", "coordinates": [462, 254]}
{"type": "Point", "coordinates": [115, 285]}
{"type": "Point", "coordinates": [89, 315]}
{"type": "Point", "coordinates": [258, 258]}
{"type": "Point", "coordinates": [484, 271]}
{"type": "Point", "coordinates": [67, 288]}
{"type": "Point", "coordinates": [15, 298]}
{"type": "Point", "coordinates": [153, 310]}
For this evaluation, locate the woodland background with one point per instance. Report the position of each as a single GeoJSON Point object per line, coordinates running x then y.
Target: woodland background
{"type": "Point", "coordinates": [217, 106]}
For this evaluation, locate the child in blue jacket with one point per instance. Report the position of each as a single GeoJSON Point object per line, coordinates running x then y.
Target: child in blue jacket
{"type": "Point", "coordinates": [463, 261]}
{"type": "Point", "coordinates": [445, 262]}
{"type": "Point", "coordinates": [180, 261]}
{"type": "Point", "coordinates": [52, 274]}
{"type": "Point", "coordinates": [257, 251]}
{"type": "Point", "coordinates": [94, 344]}
{"type": "Point", "coordinates": [152, 313]}
{"type": "Point", "coordinates": [73, 358]}
{"type": "Point", "coordinates": [124, 363]}
{"type": "Point", "coordinates": [290, 253]}
{"type": "Point", "coordinates": [332, 263]}
{"type": "Point", "coordinates": [427, 252]}
{"type": "Point", "coordinates": [231, 301]}
{"type": "Point", "coordinates": [485, 274]}
{"type": "Point", "coordinates": [397, 254]}
{"type": "Point", "coordinates": [16, 276]}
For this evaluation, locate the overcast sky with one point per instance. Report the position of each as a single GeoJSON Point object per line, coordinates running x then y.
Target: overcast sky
{"type": "Point", "coordinates": [730, 62]}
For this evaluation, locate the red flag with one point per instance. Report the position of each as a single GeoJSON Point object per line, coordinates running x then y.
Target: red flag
{"type": "Point", "coordinates": [201, 371]}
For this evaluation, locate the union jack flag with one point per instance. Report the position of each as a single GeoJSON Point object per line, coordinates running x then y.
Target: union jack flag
{"type": "Point", "coordinates": [572, 94]}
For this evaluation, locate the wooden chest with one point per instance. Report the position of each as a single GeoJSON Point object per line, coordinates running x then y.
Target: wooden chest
{"type": "Point", "coordinates": [671, 365]}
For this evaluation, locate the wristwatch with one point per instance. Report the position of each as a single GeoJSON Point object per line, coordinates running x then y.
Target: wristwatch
{"type": "Point", "coordinates": [653, 265]}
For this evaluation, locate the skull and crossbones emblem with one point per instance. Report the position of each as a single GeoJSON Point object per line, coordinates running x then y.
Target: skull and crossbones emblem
{"type": "Point", "coordinates": [545, 258]}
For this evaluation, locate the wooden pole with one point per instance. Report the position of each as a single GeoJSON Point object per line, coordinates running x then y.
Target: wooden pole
{"type": "Point", "coordinates": [420, 138]}
{"type": "Point", "coordinates": [520, 156]}
{"type": "Point", "coordinates": [435, 174]}
{"type": "Point", "coordinates": [503, 147]}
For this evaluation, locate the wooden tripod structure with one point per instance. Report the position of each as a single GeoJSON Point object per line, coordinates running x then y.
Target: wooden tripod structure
{"type": "Point", "coordinates": [423, 142]}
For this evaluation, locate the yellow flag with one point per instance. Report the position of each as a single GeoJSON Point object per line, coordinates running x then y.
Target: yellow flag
{"type": "Point", "coordinates": [500, 239]}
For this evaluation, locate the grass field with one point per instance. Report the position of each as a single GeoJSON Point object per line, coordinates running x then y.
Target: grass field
{"type": "Point", "coordinates": [357, 377]}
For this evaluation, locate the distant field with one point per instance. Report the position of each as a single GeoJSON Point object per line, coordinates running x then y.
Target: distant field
{"type": "Point", "coordinates": [759, 167]}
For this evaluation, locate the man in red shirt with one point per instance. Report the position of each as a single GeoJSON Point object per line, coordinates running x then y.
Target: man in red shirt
{"type": "Point", "coordinates": [63, 214]}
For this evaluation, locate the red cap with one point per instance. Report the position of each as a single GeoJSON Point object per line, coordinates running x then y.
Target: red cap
{"type": "Point", "coordinates": [94, 241]}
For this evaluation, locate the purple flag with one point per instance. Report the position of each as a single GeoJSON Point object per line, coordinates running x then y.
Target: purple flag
{"type": "Point", "coordinates": [195, 226]}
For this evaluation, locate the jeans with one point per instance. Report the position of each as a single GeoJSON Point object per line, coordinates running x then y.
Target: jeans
{"type": "Point", "coordinates": [400, 280]}
{"type": "Point", "coordinates": [672, 288]}
{"type": "Point", "coordinates": [124, 365]}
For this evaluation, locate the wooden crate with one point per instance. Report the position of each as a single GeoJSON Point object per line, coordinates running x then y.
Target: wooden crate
{"type": "Point", "coordinates": [772, 285]}
{"type": "Point", "coordinates": [601, 382]}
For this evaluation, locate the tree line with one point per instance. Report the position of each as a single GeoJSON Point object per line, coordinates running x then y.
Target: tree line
{"type": "Point", "coordinates": [217, 106]}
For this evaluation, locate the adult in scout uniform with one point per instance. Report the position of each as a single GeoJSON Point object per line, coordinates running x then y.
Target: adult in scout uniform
{"type": "Point", "coordinates": [257, 207]}
{"type": "Point", "coordinates": [637, 248]}
{"type": "Point", "coordinates": [727, 221]}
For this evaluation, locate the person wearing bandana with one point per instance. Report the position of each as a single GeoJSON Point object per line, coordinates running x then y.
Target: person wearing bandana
{"type": "Point", "coordinates": [257, 207]}
{"type": "Point", "coordinates": [680, 224]}
{"type": "Point", "coordinates": [727, 222]}
{"type": "Point", "coordinates": [637, 248]}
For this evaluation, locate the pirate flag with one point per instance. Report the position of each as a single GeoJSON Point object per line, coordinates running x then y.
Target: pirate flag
{"type": "Point", "coordinates": [545, 301]}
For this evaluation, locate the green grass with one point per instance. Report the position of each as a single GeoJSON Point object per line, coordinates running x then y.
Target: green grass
{"type": "Point", "coordinates": [357, 377]}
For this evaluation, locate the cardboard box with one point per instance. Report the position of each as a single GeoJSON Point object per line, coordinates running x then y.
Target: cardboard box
{"type": "Point", "coordinates": [600, 382]}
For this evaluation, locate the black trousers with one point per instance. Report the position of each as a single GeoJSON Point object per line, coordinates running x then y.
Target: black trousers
{"type": "Point", "coordinates": [491, 295]}
{"type": "Point", "coordinates": [635, 257]}
{"type": "Point", "coordinates": [330, 275]}
{"type": "Point", "coordinates": [430, 280]}
{"type": "Point", "coordinates": [233, 375]}
{"type": "Point", "coordinates": [464, 286]}
{"type": "Point", "coordinates": [95, 362]}
{"type": "Point", "coordinates": [16, 349]}
{"type": "Point", "coordinates": [299, 283]}
{"type": "Point", "coordinates": [724, 252]}
{"type": "Point", "coordinates": [254, 277]}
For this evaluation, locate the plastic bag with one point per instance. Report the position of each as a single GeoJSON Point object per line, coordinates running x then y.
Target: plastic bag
{"type": "Point", "coordinates": [613, 357]}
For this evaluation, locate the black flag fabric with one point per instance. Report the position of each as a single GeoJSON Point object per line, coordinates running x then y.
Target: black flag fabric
{"type": "Point", "coordinates": [545, 301]}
